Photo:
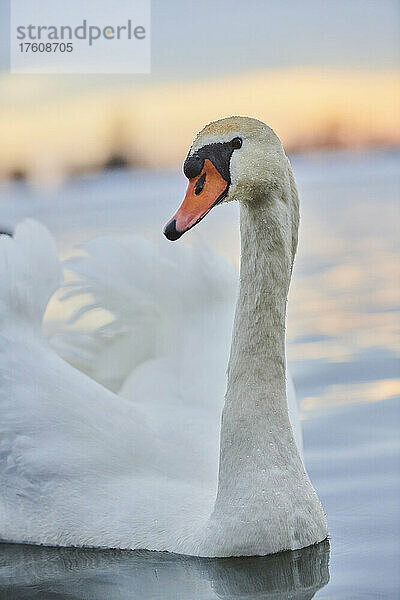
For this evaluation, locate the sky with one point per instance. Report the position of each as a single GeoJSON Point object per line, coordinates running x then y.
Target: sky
{"type": "Point", "coordinates": [192, 38]}
{"type": "Point", "coordinates": [303, 66]}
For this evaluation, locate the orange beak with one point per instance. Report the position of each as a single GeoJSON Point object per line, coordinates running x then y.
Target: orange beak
{"type": "Point", "coordinates": [204, 191]}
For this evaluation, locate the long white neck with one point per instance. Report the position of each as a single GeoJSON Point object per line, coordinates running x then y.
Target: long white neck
{"type": "Point", "coordinates": [257, 444]}
{"type": "Point", "coordinates": [265, 502]}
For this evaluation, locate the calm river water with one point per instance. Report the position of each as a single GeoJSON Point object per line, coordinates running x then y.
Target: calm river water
{"type": "Point", "coordinates": [343, 349]}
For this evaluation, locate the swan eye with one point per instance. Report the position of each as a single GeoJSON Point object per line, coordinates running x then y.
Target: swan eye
{"type": "Point", "coordinates": [237, 143]}
{"type": "Point", "coordinates": [199, 184]}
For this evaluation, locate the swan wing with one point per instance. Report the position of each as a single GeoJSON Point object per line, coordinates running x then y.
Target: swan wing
{"type": "Point", "coordinates": [166, 342]}
{"type": "Point", "coordinates": [78, 464]}
{"type": "Point", "coordinates": [59, 430]}
{"type": "Point", "coordinates": [148, 298]}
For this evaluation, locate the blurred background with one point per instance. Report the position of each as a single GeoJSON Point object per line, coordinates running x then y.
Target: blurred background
{"type": "Point", "coordinates": [323, 74]}
{"type": "Point", "coordinates": [93, 154]}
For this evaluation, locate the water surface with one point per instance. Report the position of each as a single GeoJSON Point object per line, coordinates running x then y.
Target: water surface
{"type": "Point", "coordinates": [343, 347]}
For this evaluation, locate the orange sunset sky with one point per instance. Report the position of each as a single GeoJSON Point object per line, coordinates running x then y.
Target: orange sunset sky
{"type": "Point", "coordinates": [154, 124]}
{"type": "Point", "coordinates": [322, 74]}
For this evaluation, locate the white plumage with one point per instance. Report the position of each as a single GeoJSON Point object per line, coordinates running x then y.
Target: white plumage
{"type": "Point", "coordinates": [134, 465]}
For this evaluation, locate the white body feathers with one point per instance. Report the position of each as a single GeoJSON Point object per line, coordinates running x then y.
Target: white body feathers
{"type": "Point", "coordinates": [80, 465]}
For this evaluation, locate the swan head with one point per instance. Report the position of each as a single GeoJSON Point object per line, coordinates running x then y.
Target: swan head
{"type": "Point", "coordinates": [236, 158]}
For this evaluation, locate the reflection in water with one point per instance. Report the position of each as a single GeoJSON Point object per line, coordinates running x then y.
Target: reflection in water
{"type": "Point", "coordinates": [77, 574]}
{"type": "Point", "coordinates": [342, 394]}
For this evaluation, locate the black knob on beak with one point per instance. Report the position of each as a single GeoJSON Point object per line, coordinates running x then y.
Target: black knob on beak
{"type": "Point", "coordinates": [171, 233]}
{"type": "Point", "coordinates": [193, 166]}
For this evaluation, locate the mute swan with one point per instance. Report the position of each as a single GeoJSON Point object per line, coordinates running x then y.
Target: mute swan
{"type": "Point", "coordinates": [81, 466]}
